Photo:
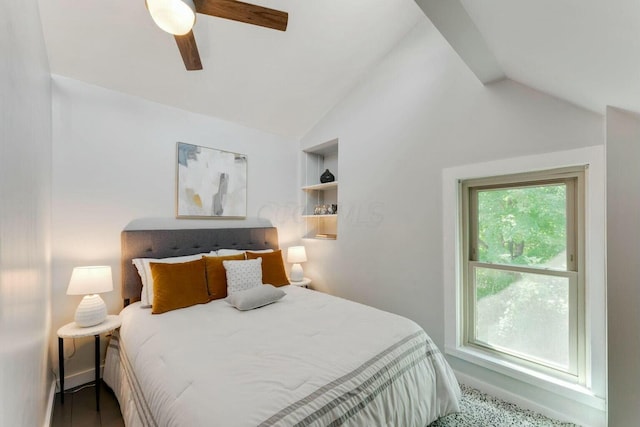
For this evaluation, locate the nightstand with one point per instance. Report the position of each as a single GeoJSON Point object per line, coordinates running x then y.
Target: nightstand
{"type": "Point", "coordinates": [304, 283]}
{"type": "Point", "coordinates": [72, 330]}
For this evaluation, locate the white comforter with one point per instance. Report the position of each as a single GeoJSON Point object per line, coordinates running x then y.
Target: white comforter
{"type": "Point", "coordinates": [309, 359]}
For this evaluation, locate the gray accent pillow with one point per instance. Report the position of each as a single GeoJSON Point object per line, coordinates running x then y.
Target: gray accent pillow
{"type": "Point", "coordinates": [255, 297]}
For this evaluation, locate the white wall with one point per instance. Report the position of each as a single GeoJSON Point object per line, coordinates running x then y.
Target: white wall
{"type": "Point", "coordinates": [421, 110]}
{"type": "Point", "coordinates": [114, 160]}
{"type": "Point", "coordinates": [623, 269]}
{"type": "Point", "coordinates": [25, 202]}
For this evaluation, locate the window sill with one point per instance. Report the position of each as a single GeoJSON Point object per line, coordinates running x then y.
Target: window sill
{"type": "Point", "coordinates": [572, 391]}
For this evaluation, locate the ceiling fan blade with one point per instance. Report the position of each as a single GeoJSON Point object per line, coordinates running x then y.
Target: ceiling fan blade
{"type": "Point", "coordinates": [189, 51]}
{"type": "Point", "coordinates": [244, 12]}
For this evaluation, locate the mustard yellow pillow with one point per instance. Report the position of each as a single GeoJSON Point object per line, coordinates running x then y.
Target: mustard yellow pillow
{"type": "Point", "coordinates": [273, 271]}
{"type": "Point", "coordinates": [217, 275]}
{"type": "Point", "coordinates": [178, 285]}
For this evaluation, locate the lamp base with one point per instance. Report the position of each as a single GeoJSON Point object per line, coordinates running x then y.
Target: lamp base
{"type": "Point", "coordinates": [91, 311]}
{"type": "Point", "coordinates": [296, 273]}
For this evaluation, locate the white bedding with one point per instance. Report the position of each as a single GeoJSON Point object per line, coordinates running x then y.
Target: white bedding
{"type": "Point", "coordinates": [308, 359]}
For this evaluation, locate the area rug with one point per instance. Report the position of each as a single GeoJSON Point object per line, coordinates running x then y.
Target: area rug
{"type": "Point", "coordinates": [479, 409]}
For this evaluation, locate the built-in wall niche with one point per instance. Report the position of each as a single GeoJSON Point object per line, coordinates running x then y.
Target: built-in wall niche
{"type": "Point", "coordinates": [320, 199]}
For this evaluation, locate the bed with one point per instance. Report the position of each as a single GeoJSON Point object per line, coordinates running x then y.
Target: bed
{"type": "Point", "coordinates": [309, 359]}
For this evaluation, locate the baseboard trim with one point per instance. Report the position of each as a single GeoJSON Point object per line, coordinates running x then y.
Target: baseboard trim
{"type": "Point", "coordinates": [48, 418]}
{"type": "Point", "coordinates": [80, 378]}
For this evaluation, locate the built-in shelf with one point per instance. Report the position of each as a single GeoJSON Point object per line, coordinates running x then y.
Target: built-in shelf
{"type": "Point", "coordinates": [325, 236]}
{"type": "Point", "coordinates": [321, 187]}
{"type": "Point", "coordinates": [315, 160]}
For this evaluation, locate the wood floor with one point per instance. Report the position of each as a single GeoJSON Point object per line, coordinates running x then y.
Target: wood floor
{"type": "Point", "coordinates": [79, 409]}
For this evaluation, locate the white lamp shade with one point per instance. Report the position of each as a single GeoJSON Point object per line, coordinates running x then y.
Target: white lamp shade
{"type": "Point", "coordinates": [296, 254]}
{"type": "Point", "coordinates": [90, 280]}
{"type": "Point", "coordinates": [173, 16]}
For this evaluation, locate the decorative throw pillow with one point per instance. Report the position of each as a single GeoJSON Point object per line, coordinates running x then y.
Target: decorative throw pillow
{"type": "Point", "coordinates": [255, 297]}
{"type": "Point", "coordinates": [242, 275]}
{"type": "Point", "coordinates": [217, 275]}
{"type": "Point", "coordinates": [178, 285]}
{"type": "Point", "coordinates": [273, 271]}
{"type": "Point", "coordinates": [142, 265]}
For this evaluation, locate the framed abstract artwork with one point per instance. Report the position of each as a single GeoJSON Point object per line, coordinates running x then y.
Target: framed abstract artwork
{"type": "Point", "coordinates": [210, 183]}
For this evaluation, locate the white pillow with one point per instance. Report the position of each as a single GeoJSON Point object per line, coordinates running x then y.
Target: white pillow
{"type": "Point", "coordinates": [255, 297]}
{"type": "Point", "coordinates": [144, 270]}
{"type": "Point", "coordinates": [139, 264]}
{"type": "Point", "coordinates": [243, 275]}
{"type": "Point", "coordinates": [227, 252]}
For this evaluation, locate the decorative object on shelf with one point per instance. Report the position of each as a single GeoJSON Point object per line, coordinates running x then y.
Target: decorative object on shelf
{"type": "Point", "coordinates": [327, 177]}
{"type": "Point", "coordinates": [320, 210]}
{"type": "Point", "coordinates": [90, 281]}
{"type": "Point", "coordinates": [296, 255]}
{"type": "Point", "coordinates": [331, 209]}
{"type": "Point", "coordinates": [210, 183]}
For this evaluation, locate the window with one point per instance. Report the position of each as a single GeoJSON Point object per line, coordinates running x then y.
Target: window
{"type": "Point", "coordinates": [522, 269]}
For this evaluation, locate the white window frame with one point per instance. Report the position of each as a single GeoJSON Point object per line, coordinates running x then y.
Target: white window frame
{"type": "Point", "coordinates": [579, 401]}
{"type": "Point", "coordinates": [573, 179]}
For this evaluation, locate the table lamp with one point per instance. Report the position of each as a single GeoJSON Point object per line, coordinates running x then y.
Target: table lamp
{"type": "Point", "coordinates": [90, 281]}
{"type": "Point", "coordinates": [296, 255]}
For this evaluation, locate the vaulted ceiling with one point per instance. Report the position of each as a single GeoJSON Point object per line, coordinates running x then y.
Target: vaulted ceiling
{"type": "Point", "coordinates": [584, 51]}
{"type": "Point", "coordinates": [587, 52]}
{"type": "Point", "coordinates": [281, 82]}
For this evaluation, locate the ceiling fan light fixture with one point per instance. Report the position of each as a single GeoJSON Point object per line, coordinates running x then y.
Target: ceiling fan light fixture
{"type": "Point", "coordinates": [173, 16]}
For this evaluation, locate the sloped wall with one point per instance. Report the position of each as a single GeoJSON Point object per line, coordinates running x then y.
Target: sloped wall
{"type": "Point", "coordinates": [419, 111]}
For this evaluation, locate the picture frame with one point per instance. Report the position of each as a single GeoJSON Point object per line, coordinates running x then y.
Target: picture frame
{"type": "Point", "coordinates": [210, 183]}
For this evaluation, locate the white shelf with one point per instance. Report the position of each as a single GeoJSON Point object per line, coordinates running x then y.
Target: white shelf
{"type": "Point", "coordinates": [320, 187]}
{"type": "Point", "coordinates": [325, 237]}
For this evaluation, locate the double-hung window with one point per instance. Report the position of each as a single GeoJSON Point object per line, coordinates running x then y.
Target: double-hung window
{"type": "Point", "coordinates": [523, 269]}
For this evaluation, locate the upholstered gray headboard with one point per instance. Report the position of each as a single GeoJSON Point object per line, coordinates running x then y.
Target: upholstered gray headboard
{"type": "Point", "coordinates": [168, 243]}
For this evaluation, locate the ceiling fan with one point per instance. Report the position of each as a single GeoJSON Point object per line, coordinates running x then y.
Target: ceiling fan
{"type": "Point", "coordinates": [177, 17]}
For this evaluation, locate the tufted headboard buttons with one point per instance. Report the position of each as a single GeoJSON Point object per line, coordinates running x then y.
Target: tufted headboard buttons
{"type": "Point", "coordinates": [168, 243]}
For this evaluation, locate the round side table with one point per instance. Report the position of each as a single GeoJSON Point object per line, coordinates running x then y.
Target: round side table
{"type": "Point", "coordinates": [304, 283]}
{"type": "Point", "coordinates": [72, 330]}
